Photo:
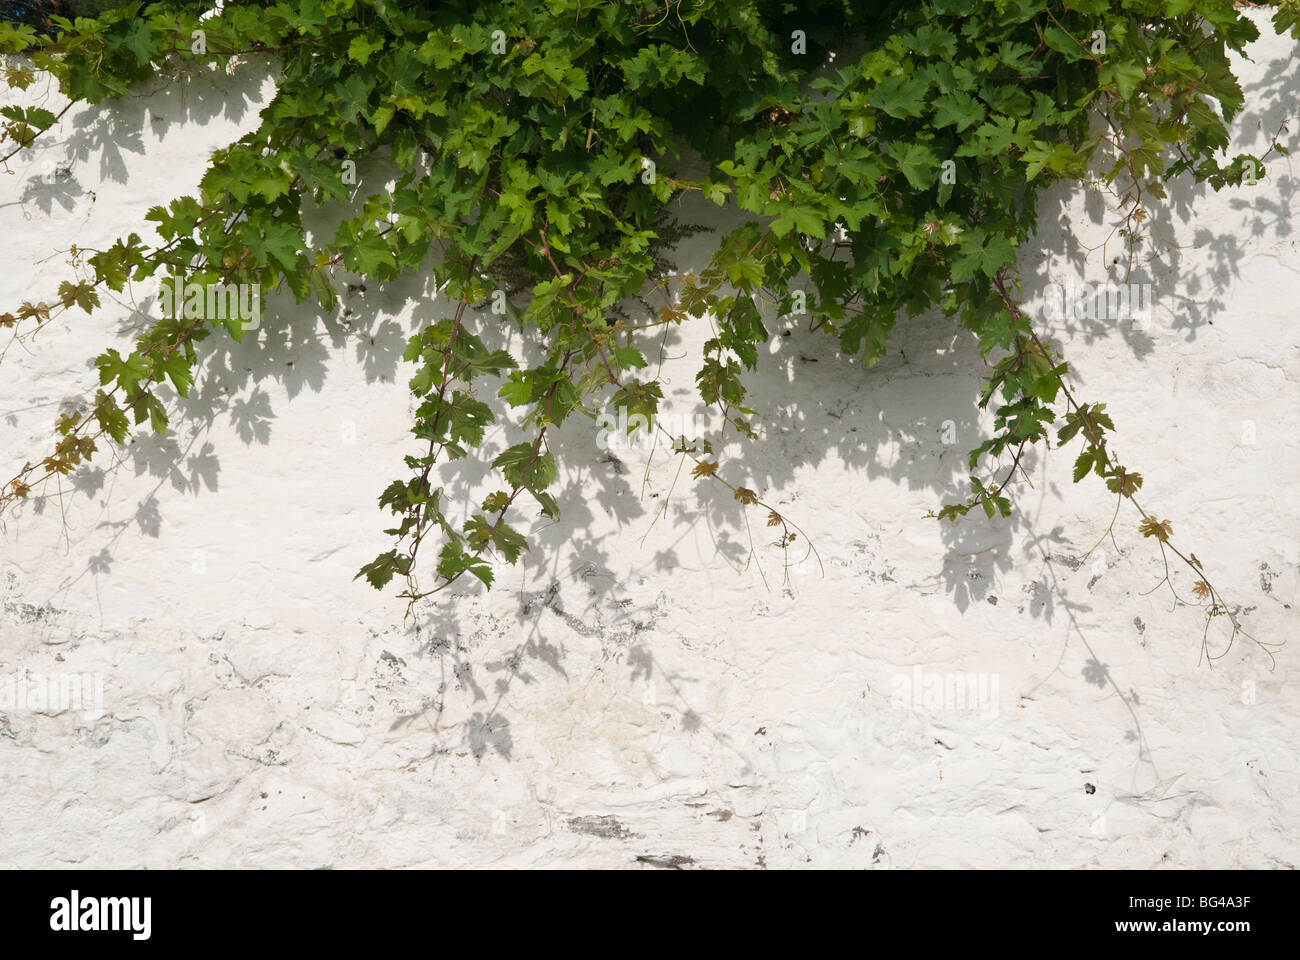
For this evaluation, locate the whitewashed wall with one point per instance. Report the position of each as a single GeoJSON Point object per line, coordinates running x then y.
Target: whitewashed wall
{"type": "Point", "coordinates": [616, 702]}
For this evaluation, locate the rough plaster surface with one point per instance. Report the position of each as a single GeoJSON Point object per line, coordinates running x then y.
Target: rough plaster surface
{"type": "Point", "coordinates": [619, 703]}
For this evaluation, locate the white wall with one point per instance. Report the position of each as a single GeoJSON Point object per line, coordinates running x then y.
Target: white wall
{"type": "Point", "coordinates": [612, 698]}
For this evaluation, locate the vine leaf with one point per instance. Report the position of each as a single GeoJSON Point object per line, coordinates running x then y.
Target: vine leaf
{"type": "Point", "coordinates": [1162, 530]}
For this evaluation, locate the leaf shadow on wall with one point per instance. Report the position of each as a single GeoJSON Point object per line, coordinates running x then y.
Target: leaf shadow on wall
{"type": "Point", "coordinates": [932, 374]}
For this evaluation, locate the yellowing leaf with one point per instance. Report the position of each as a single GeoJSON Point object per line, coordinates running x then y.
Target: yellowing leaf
{"type": "Point", "coordinates": [1162, 530]}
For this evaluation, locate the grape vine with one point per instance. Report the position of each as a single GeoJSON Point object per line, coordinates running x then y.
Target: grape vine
{"type": "Point", "coordinates": [889, 156]}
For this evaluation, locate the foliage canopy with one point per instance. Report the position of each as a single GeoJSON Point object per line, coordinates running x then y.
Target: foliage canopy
{"type": "Point", "coordinates": [891, 155]}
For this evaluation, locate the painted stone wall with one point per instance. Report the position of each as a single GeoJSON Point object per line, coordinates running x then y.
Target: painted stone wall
{"type": "Point", "coordinates": [189, 676]}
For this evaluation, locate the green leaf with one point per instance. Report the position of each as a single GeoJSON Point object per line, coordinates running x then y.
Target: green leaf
{"type": "Point", "coordinates": [139, 40]}
{"type": "Point", "coordinates": [958, 108]}
{"type": "Point", "coordinates": [382, 116]}
{"type": "Point", "coordinates": [362, 46]}
{"type": "Point", "coordinates": [516, 390]}
{"type": "Point", "coordinates": [157, 413]}
{"type": "Point", "coordinates": [795, 216]}
{"type": "Point", "coordinates": [900, 96]}
{"type": "Point", "coordinates": [509, 541]}
{"type": "Point", "coordinates": [127, 372]}
{"type": "Point", "coordinates": [110, 417]}
{"type": "Point", "coordinates": [919, 164]}
{"type": "Point", "coordinates": [629, 358]}
{"type": "Point", "coordinates": [177, 369]}
{"type": "Point", "coordinates": [1084, 463]}
{"type": "Point", "coordinates": [1125, 76]}
{"type": "Point", "coordinates": [380, 570]}
{"type": "Point", "coordinates": [522, 467]}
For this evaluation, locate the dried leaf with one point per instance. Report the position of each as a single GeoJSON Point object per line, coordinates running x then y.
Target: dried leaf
{"type": "Point", "coordinates": [1162, 530]}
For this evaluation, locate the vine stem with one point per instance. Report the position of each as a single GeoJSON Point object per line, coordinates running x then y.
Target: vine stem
{"type": "Point", "coordinates": [1092, 429]}
{"type": "Point", "coordinates": [23, 146]}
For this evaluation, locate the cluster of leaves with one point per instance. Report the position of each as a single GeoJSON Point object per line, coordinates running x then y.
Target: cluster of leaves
{"type": "Point", "coordinates": [890, 155]}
